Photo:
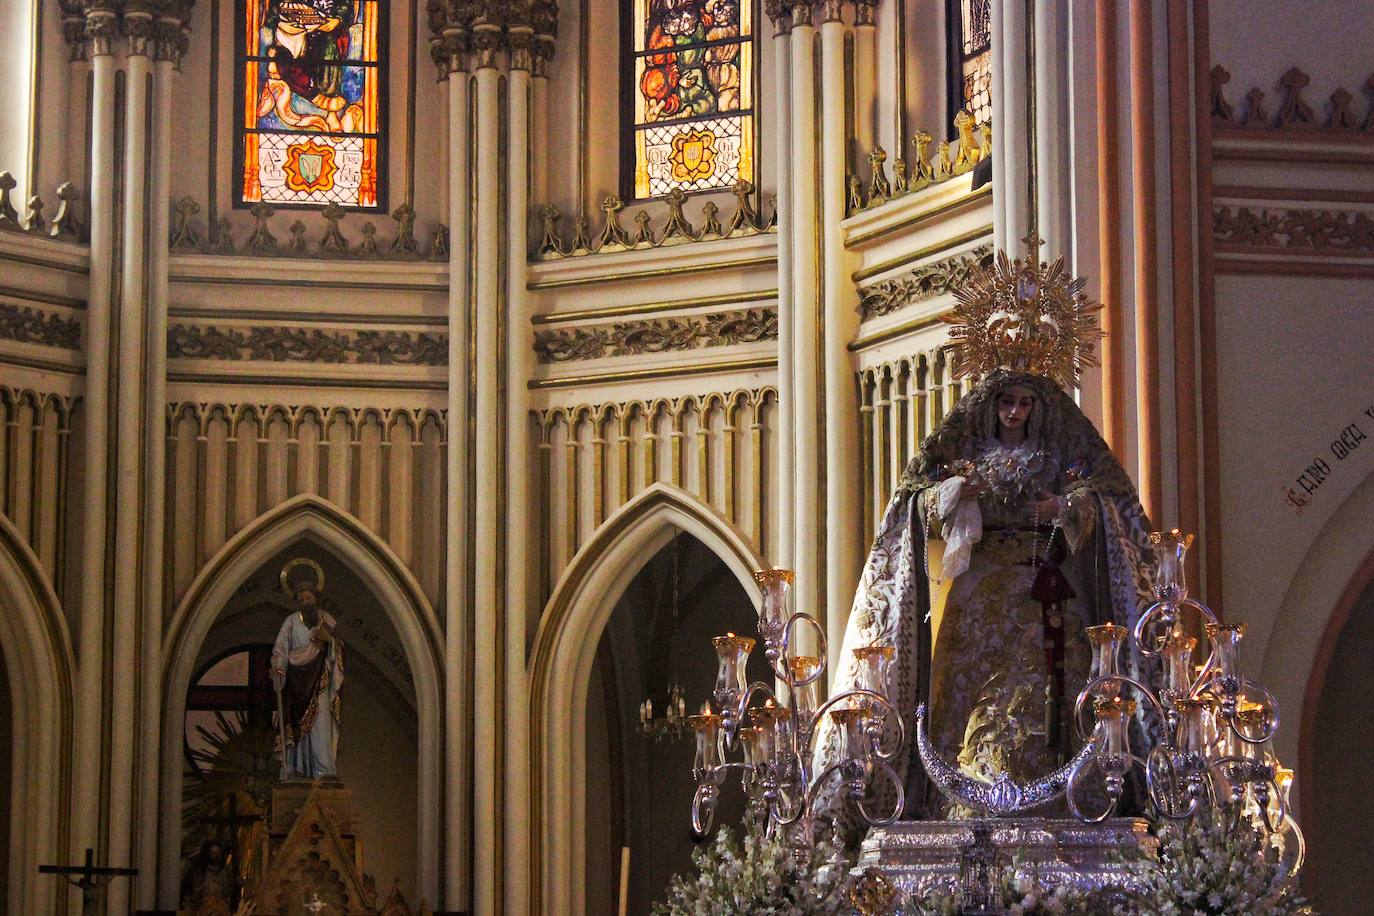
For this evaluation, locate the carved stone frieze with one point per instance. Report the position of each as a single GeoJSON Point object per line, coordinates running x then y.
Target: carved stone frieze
{"type": "Point", "coordinates": [677, 229]}
{"type": "Point", "coordinates": [302, 345]}
{"type": "Point", "coordinates": [399, 245]}
{"type": "Point", "coordinates": [64, 224]}
{"type": "Point", "coordinates": [25, 324]}
{"type": "Point", "coordinates": [923, 283]}
{"type": "Point", "coordinates": [658, 335]}
{"type": "Point", "coordinates": [1331, 231]}
{"type": "Point", "coordinates": [1294, 114]}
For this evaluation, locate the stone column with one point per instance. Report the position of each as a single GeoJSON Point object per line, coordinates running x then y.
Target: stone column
{"type": "Point", "coordinates": [129, 406]}
{"type": "Point", "coordinates": [865, 75]}
{"type": "Point", "coordinates": [544, 16]}
{"type": "Point", "coordinates": [807, 360]}
{"type": "Point", "coordinates": [449, 51]}
{"type": "Point", "coordinates": [74, 33]}
{"type": "Point", "coordinates": [171, 35]}
{"type": "Point", "coordinates": [1011, 173]}
{"type": "Point", "coordinates": [780, 545]}
{"type": "Point", "coordinates": [843, 515]}
{"type": "Point", "coordinates": [102, 28]}
{"type": "Point", "coordinates": [488, 450]}
{"type": "Point", "coordinates": [519, 509]}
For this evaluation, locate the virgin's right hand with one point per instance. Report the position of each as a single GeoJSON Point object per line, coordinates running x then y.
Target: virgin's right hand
{"type": "Point", "coordinates": [973, 489]}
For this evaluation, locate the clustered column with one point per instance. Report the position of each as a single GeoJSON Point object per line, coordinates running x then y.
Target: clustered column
{"type": "Point", "coordinates": [449, 45]}
{"type": "Point", "coordinates": [781, 14]}
{"type": "Point", "coordinates": [116, 805]}
{"type": "Point", "coordinates": [171, 33]}
{"type": "Point", "coordinates": [506, 48]}
{"type": "Point", "coordinates": [819, 405]}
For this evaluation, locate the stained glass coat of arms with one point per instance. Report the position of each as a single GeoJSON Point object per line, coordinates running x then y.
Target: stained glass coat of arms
{"type": "Point", "coordinates": [693, 115]}
{"type": "Point", "coordinates": [310, 105]}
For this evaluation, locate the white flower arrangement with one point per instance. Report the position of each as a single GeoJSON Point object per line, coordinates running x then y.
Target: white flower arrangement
{"type": "Point", "coordinates": [1021, 893]}
{"type": "Point", "coordinates": [1223, 864]}
{"type": "Point", "coordinates": [753, 876]}
{"type": "Point", "coordinates": [1206, 867]}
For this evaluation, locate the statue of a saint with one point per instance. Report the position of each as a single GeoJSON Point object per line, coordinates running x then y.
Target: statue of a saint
{"type": "Point", "coordinates": [1012, 529]}
{"type": "Point", "coordinates": [307, 672]}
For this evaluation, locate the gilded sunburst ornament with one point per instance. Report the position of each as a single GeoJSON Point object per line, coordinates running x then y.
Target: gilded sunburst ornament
{"type": "Point", "coordinates": [1025, 315]}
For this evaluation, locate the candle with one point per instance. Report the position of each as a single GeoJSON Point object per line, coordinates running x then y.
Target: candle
{"type": "Point", "coordinates": [707, 729]}
{"type": "Point", "coordinates": [1252, 720]}
{"type": "Point", "coordinates": [772, 721]}
{"type": "Point", "coordinates": [1114, 715]}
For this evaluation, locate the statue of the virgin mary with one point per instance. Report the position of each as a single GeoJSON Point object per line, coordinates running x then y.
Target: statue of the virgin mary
{"type": "Point", "coordinates": [1012, 529]}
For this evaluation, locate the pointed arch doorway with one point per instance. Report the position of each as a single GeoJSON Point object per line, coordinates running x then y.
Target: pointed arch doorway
{"type": "Point", "coordinates": [565, 658]}
{"type": "Point", "coordinates": [391, 635]}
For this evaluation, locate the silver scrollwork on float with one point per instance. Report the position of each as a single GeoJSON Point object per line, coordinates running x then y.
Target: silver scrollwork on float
{"type": "Point", "coordinates": [1208, 740]}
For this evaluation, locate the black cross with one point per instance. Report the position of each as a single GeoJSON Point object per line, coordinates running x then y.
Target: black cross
{"type": "Point", "coordinates": [93, 878]}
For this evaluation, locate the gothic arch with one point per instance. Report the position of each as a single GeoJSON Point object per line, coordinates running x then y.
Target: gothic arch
{"type": "Point", "coordinates": [564, 651]}
{"type": "Point", "coordinates": [1314, 609]}
{"type": "Point", "coordinates": [39, 661]}
{"type": "Point", "coordinates": [308, 516]}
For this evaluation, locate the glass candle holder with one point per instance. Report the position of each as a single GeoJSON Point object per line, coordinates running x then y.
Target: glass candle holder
{"type": "Point", "coordinates": [1114, 715]}
{"type": "Point", "coordinates": [1252, 720]}
{"type": "Point", "coordinates": [731, 678]}
{"type": "Point", "coordinates": [776, 584]}
{"type": "Point", "coordinates": [1106, 640]}
{"type": "Point", "coordinates": [707, 729]}
{"type": "Point", "coordinates": [1283, 777]}
{"type": "Point", "coordinates": [874, 662]}
{"type": "Point", "coordinates": [1191, 737]}
{"type": "Point", "coordinates": [1171, 547]}
{"type": "Point", "coordinates": [851, 725]}
{"type": "Point", "coordinates": [1214, 728]}
{"type": "Point", "coordinates": [1178, 663]}
{"type": "Point", "coordinates": [804, 699]}
{"type": "Point", "coordinates": [1227, 637]}
{"type": "Point", "coordinates": [748, 739]}
{"type": "Point", "coordinates": [772, 722]}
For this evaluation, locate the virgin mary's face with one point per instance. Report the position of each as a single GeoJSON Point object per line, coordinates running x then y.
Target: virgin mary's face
{"type": "Point", "coordinates": [1014, 406]}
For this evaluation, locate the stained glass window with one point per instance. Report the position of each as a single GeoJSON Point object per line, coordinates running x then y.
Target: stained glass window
{"type": "Point", "coordinates": [975, 58]}
{"type": "Point", "coordinates": [310, 102]}
{"type": "Point", "coordinates": [691, 95]}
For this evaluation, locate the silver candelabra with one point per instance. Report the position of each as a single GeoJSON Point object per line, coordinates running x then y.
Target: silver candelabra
{"type": "Point", "coordinates": [769, 729]}
{"type": "Point", "coordinates": [1208, 738]}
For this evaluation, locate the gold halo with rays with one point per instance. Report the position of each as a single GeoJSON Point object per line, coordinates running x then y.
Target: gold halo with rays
{"type": "Point", "coordinates": [1024, 315]}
